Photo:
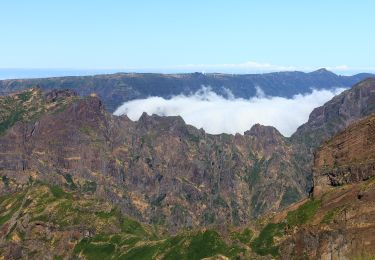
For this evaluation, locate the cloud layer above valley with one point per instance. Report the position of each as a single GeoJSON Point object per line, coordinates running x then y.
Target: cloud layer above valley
{"type": "Point", "coordinates": [217, 114]}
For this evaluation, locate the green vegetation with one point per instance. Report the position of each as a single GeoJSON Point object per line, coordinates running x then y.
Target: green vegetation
{"type": "Point", "coordinates": [115, 236]}
{"type": "Point", "coordinates": [24, 96]}
{"type": "Point", "coordinates": [304, 213]}
{"type": "Point", "coordinates": [364, 256]}
{"type": "Point", "coordinates": [192, 137]}
{"type": "Point", "coordinates": [254, 174]}
{"type": "Point", "coordinates": [95, 251]}
{"type": "Point", "coordinates": [26, 106]}
{"type": "Point", "coordinates": [133, 227]}
{"type": "Point", "coordinates": [329, 216]}
{"type": "Point", "coordinates": [69, 182]}
{"type": "Point", "coordinates": [10, 205]}
{"type": "Point", "coordinates": [58, 192]}
{"type": "Point", "coordinates": [114, 212]}
{"type": "Point", "coordinates": [192, 245]}
{"type": "Point", "coordinates": [14, 109]}
{"type": "Point", "coordinates": [205, 244]}
{"type": "Point", "coordinates": [87, 130]}
{"type": "Point", "coordinates": [264, 244]}
{"type": "Point", "coordinates": [244, 237]}
{"type": "Point", "coordinates": [10, 120]}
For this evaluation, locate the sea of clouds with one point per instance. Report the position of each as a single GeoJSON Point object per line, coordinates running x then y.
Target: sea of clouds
{"type": "Point", "coordinates": [218, 114]}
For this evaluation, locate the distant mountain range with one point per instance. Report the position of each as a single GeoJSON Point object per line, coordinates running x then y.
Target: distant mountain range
{"type": "Point", "coordinates": [114, 89]}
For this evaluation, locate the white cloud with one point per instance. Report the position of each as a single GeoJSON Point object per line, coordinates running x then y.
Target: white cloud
{"type": "Point", "coordinates": [217, 114]}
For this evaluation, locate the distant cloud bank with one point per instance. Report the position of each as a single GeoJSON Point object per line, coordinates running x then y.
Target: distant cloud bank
{"type": "Point", "coordinates": [217, 114]}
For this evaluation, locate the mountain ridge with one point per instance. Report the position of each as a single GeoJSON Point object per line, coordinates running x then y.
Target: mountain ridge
{"type": "Point", "coordinates": [114, 89]}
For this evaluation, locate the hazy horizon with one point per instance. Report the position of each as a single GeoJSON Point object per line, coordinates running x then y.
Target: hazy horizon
{"type": "Point", "coordinates": [29, 73]}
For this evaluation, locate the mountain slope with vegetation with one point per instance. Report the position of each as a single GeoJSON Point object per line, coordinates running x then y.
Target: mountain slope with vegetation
{"type": "Point", "coordinates": [338, 222]}
{"type": "Point", "coordinates": [158, 169]}
{"type": "Point", "coordinates": [77, 175]}
{"type": "Point", "coordinates": [47, 222]}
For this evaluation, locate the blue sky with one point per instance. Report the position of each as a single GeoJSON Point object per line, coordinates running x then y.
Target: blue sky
{"type": "Point", "coordinates": [168, 36]}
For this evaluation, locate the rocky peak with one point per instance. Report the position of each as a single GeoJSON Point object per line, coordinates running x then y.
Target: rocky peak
{"type": "Point", "coordinates": [268, 133]}
{"type": "Point", "coordinates": [321, 71]}
{"type": "Point", "coordinates": [337, 114]}
{"type": "Point", "coordinates": [53, 95]}
{"type": "Point", "coordinates": [160, 122]}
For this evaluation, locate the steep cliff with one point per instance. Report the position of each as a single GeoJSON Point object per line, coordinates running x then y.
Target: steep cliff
{"type": "Point", "coordinates": [331, 118]}
{"type": "Point", "coordinates": [338, 222]}
{"type": "Point", "coordinates": [338, 113]}
{"type": "Point", "coordinates": [347, 158]}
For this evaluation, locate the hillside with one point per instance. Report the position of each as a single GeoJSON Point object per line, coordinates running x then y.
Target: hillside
{"type": "Point", "coordinates": [47, 222]}
{"type": "Point", "coordinates": [172, 177]}
{"type": "Point", "coordinates": [338, 222]}
{"type": "Point", "coordinates": [114, 89]}
{"type": "Point", "coordinates": [158, 170]}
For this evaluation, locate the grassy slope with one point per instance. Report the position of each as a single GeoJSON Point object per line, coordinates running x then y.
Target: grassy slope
{"type": "Point", "coordinates": [325, 212]}
{"type": "Point", "coordinates": [112, 235]}
{"type": "Point", "coordinates": [26, 106]}
{"type": "Point", "coordinates": [115, 236]}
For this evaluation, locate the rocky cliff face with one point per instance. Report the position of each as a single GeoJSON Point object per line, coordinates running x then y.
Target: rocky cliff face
{"type": "Point", "coordinates": [347, 158]}
{"type": "Point", "coordinates": [337, 114]}
{"type": "Point", "coordinates": [158, 170]}
{"type": "Point", "coordinates": [338, 221]}
{"type": "Point", "coordinates": [342, 224]}
{"type": "Point", "coordinates": [331, 118]}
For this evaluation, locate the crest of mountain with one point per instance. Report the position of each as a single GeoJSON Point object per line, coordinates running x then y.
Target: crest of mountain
{"type": "Point", "coordinates": [114, 89]}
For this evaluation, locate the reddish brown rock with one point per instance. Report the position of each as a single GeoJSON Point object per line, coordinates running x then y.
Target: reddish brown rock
{"type": "Point", "coordinates": [348, 157]}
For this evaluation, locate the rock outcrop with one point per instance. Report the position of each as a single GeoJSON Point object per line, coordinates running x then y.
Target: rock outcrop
{"type": "Point", "coordinates": [347, 158]}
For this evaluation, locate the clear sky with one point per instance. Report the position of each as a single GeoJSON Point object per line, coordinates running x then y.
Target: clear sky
{"type": "Point", "coordinates": [199, 35]}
